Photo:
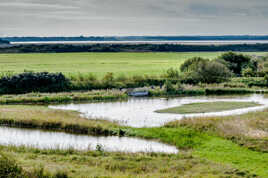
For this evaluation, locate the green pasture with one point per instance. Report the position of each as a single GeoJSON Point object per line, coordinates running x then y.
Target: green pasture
{"type": "Point", "coordinates": [99, 63]}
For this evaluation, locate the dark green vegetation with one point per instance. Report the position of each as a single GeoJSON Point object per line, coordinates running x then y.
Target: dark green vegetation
{"type": "Point", "coordinates": [66, 48]}
{"type": "Point", "coordinates": [209, 147]}
{"type": "Point", "coordinates": [207, 107]}
{"type": "Point", "coordinates": [33, 82]}
{"type": "Point", "coordinates": [199, 70]}
{"type": "Point", "coordinates": [238, 63]}
{"type": "Point", "coordinates": [229, 64]}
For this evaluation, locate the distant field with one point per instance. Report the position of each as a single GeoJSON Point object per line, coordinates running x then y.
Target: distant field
{"type": "Point", "coordinates": [99, 63]}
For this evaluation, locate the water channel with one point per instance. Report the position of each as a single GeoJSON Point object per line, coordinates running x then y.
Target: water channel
{"type": "Point", "coordinates": [59, 140]}
{"type": "Point", "coordinates": [140, 112]}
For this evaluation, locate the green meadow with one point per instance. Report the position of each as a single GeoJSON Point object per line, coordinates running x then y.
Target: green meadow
{"type": "Point", "coordinates": [99, 63]}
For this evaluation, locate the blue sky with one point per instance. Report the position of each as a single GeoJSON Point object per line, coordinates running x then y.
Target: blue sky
{"type": "Point", "coordinates": [132, 17]}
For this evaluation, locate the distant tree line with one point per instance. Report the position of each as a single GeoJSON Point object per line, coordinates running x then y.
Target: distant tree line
{"type": "Point", "coordinates": [58, 48]}
{"type": "Point", "coordinates": [136, 38]}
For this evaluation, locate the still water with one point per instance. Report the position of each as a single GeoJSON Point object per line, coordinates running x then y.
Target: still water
{"type": "Point", "coordinates": [140, 112]}
{"type": "Point", "coordinates": [182, 42]}
{"type": "Point", "coordinates": [58, 140]}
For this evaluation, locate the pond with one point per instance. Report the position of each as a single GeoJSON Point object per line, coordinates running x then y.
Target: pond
{"type": "Point", "coordinates": [59, 140]}
{"type": "Point", "coordinates": [140, 112]}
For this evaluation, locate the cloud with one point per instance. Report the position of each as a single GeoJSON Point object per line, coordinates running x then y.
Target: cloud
{"type": "Point", "coordinates": [132, 17]}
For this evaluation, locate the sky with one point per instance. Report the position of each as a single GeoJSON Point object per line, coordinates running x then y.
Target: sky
{"type": "Point", "coordinates": [133, 17]}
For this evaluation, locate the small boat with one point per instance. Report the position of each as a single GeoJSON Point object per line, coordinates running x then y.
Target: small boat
{"type": "Point", "coordinates": [138, 93]}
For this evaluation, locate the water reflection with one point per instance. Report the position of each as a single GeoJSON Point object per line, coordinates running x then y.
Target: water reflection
{"type": "Point", "coordinates": [58, 140]}
{"type": "Point", "coordinates": [140, 112]}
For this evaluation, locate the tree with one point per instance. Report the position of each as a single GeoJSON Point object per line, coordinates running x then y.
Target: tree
{"type": "Point", "coordinates": [213, 72]}
{"type": "Point", "coordinates": [237, 62]}
{"type": "Point", "coordinates": [192, 64]}
{"type": "Point", "coordinates": [205, 71]}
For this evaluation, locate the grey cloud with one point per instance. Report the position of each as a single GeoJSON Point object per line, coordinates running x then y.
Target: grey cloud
{"type": "Point", "coordinates": [132, 17]}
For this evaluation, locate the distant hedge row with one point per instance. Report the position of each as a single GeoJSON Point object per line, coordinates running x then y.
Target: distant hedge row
{"type": "Point", "coordinates": [33, 82]}
{"type": "Point", "coordinates": [60, 48]}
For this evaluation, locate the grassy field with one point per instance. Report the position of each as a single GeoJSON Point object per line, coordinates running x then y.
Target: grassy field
{"type": "Point", "coordinates": [99, 63]}
{"type": "Point", "coordinates": [207, 107]}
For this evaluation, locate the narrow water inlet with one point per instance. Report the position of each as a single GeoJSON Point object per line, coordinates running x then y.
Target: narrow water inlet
{"type": "Point", "coordinates": [58, 140]}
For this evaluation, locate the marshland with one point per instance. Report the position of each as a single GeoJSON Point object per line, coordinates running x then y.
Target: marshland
{"type": "Point", "coordinates": [205, 115]}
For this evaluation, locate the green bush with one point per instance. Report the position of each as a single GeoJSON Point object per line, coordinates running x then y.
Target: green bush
{"type": "Point", "coordinates": [192, 64]}
{"type": "Point", "coordinates": [237, 62]}
{"type": "Point", "coordinates": [168, 87]}
{"type": "Point", "coordinates": [172, 73]}
{"type": "Point", "coordinates": [33, 82]}
{"type": "Point", "coordinates": [205, 71]}
{"type": "Point", "coordinates": [248, 72]}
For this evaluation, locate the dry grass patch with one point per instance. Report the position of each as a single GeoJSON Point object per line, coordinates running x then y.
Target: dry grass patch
{"type": "Point", "coordinates": [45, 118]}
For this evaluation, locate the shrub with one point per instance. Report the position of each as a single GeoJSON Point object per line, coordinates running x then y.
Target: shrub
{"type": "Point", "coordinates": [9, 168]}
{"type": "Point", "coordinates": [213, 72]}
{"type": "Point", "coordinates": [108, 80]}
{"type": "Point", "coordinates": [168, 87]}
{"type": "Point", "coordinates": [192, 64]}
{"type": "Point", "coordinates": [248, 72]}
{"type": "Point", "coordinates": [121, 78]}
{"type": "Point", "coordinates": [172, 73]}
{"type": "Point", "coordinates": [266, 78]}
{"type": "Point", "coordinates": [237, 62]}
{"type": "Point", "coordinates": [206, 71]}
{"type": "Point", "coordinates": [33, 82]}
{"type": "Point", "coordinates": [190, 77]}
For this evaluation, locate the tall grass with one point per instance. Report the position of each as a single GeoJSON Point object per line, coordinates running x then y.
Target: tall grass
{"type": "Point", "coordinates": [41, 117]}
{"type": "Point", "coordinates": [10, 169]}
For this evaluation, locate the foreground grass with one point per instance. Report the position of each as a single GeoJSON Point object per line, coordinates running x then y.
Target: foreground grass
{"type": "Point", "coordinates": [207, 107]}
{"type": "Point", "coordinates": [100, 164]}
{"type": "Point", "coordinates": [248, 130]}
